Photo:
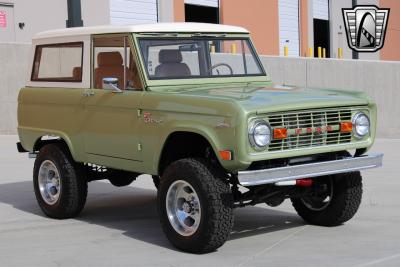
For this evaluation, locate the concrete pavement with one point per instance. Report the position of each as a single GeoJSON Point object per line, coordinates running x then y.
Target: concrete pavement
{"type": "Point", "coordinates": [119, 226]}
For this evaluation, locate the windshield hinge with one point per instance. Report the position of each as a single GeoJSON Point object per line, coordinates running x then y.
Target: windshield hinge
{"type": "Point", "coordinates": [160, 34]}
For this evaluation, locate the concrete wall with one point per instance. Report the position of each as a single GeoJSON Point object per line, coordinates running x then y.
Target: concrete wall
{"type": "Point", "coordinates": [13, 77]}
{"type": "Point", "coordinates": [380, 80]}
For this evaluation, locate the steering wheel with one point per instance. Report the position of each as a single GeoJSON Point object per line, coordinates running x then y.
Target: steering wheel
{"type": "Point", "coordinates": [222, 64]}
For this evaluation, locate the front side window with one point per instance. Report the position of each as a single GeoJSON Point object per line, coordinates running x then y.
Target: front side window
{"type": "Point", "coordinates": [113, 58]}
{"type": "Point", "coordinates": [58, 63]}
{"type": "Point", "coordinates": [183, 58]}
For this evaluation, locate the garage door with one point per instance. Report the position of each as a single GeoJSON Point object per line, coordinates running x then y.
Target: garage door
{"type": "Point", "coordinates": [289, 26]}
{"type": "Point", "coordinates": [129, 12]}
{"type": "Point", "coordinates": [321, 9]}
{"type": "Point", "coordinates": [210, 3]}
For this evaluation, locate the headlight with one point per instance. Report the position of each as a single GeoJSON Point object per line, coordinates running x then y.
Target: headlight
{"type": "Point", "coordinates": [259, 134]}
{"type": "Point", "coordinates": [361, 125]}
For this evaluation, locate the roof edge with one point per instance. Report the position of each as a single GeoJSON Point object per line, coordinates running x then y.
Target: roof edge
{"type": "Point", "coordinates": [175, 27]}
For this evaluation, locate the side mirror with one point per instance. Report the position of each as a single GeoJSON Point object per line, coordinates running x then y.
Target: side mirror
{"type": "Point", "coordinates": [110, 83]}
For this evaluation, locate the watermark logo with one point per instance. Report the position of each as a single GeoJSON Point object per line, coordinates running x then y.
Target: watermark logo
{"type": "Point", "coordinates": [366, 27]}
{"type": "Point", "coordinates": [3, 19]}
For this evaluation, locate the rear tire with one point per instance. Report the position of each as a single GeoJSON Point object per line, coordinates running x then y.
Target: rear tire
{"type": "Point", "coordinates": [345, 199]}
{"type": "Point", "coordinates": [211, 206]}
{"type": "Point", "coordinates": [59, 182]}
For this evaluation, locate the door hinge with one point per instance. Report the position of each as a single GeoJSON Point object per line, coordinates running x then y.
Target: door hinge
{"type": "Point", "coordinates": [139, 147]}
{"type": "Point", "coordinates": [139, 112]}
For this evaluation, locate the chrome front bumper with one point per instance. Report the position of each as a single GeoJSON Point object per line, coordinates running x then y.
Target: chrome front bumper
{"type": "Point", "coordinates": [310, 170]}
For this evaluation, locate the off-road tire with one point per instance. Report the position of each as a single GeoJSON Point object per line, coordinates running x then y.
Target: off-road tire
{"type": "Point", "coordinates": [156, 181]}
{"type": "Point", "coordinates": [346, 199]}
{"type": "Point", "coordinates": [216, 205]}
{"type": "Point", "coordinates": [73, 191]}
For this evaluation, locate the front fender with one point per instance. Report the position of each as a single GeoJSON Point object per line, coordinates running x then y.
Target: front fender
{"type": "Point", "coordinates": [220, 132]}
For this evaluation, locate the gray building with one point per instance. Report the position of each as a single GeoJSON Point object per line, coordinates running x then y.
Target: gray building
{"type": "Point", "coordinates": [298, 24]}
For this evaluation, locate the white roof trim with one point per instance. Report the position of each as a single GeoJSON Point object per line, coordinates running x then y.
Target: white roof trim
{"type": "Point", "coordinates": [143, 28]}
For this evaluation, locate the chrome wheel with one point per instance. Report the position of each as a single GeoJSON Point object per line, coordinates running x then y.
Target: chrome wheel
{"type": "Point", "coordinates": [321, 200]}
{"type": "Point", "coordinates": [49, 182]}
{"type": "Point", "coordinates": [183, 208]}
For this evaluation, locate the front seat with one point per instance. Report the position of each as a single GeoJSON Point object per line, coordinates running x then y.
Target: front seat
{"type": "Point", "coordinates": [77, 74]}
{"type": "Point", "coordinates": [110, 65]}
{"type": "Point", "coordinates": [171, 64]}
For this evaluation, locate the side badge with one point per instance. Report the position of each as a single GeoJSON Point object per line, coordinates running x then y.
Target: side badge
{"type": "Point", "coordinates": [222, 125]}
{"type": "Point", "coordinates": [147, 118]}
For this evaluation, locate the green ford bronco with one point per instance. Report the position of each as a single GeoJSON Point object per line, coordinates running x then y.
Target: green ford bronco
{"type": "Point", "coordinates": [191, 105]}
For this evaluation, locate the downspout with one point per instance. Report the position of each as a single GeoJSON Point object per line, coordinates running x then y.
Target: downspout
{"type": "Point", "coordinates": [74, 14]}
{"type": "Point", "coordinates": [355, 53]}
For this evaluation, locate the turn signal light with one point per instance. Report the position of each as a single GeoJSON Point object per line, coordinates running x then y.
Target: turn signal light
{"type": "Point", "coordinates": [225, 154]}
{"type": "Point", "coordinates": [280, 133]}
{"type": "Point", "coordinates": [346, 127]}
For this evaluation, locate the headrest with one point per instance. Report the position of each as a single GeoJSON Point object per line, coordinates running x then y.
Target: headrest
{"type": "Point", "coordinates": [77, 73]}
{"type": "Point", "coordinates": [170, 56]}
{"type": "Point", "coordinates": [109, 59]}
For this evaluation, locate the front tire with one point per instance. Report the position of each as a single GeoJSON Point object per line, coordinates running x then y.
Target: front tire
{"type": "Point", "coordinates": [195, 206]}
{"type": "Point", "coordinates": [59, 182]}
{"type": "Point", "coordinates": [344, 194]}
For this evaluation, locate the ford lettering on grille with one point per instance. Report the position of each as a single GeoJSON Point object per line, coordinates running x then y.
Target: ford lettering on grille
{"type": "Point", "coordinates": [310, 128]}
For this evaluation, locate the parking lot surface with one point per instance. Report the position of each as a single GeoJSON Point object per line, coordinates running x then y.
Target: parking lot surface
{"type": "Point", "coordinates": [119, 226]}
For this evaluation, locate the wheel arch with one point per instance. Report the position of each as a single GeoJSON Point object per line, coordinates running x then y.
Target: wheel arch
{"type": "Point", "coordinates": [182, 144]}
{"type": "Point", "coordinates": [43, 140]}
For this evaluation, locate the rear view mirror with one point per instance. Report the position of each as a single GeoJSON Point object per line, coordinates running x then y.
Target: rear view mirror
{"type": "Point", "coordinates": [111, 83]}
{"type": "Point", "coordinates": [189, 47]}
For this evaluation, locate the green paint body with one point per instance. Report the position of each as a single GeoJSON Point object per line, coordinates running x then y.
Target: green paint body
{"type": "Point", "coordinates": [128, 130]}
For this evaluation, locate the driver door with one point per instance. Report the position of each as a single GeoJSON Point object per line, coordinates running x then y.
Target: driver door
{"type": "Point", "coordinates": [112, 128]}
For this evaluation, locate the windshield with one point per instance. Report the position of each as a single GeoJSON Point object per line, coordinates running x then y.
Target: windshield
{"type": "Point", "coordinates": [209, 57]}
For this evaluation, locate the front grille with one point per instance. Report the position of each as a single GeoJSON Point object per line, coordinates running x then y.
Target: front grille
{"type": "Point", "coordinates": [310, 128]}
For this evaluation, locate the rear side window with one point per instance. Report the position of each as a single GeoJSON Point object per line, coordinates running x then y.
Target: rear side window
{"type": "Point", "coordinates": [58, 62]}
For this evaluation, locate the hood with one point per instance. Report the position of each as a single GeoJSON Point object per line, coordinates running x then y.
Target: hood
{"type": "Point", "coordinates": [263, 99]}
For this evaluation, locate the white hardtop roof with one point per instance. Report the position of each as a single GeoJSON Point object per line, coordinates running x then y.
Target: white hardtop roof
{"type": "Point", "coordinates": [144, 28]}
